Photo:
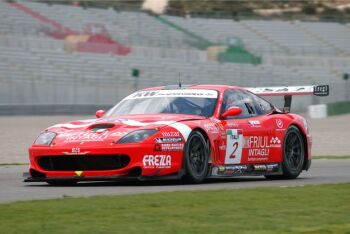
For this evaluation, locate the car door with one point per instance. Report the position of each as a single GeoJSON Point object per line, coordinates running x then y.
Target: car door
{"type": "Point", "coordinates": [272, 124]}
{"type": "Point", "coordinates": [247, 135]}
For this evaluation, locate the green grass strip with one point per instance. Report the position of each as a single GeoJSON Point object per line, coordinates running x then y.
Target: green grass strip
{"type": "Point", "coordinates": [309, 209]}
{"type": "Point", "coordinates": [338, 108]}
{"type": "Point", "coordinates": [331, 157]}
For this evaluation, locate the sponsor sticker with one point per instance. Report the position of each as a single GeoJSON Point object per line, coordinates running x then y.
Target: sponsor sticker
{"type": "Point", "coordinates": [211, 128]}
{"type": "Point", "coordinates": [261, 142]}
{"type": "Point", "coordinates": [254, 123]}
{"type": "Point", "coordinates": [275, 142]}
{"type": "Point", "coordinates": [229, 170]}
{"type": "Point", "coordinates": [170, 134]}
{"type": "Point", "coordinates": [84, 136]}
{"type": "Point", "coordinates": [156, 161]}
{"type": "Point", "coordinates": [232, 124]}
{"type": "Point", "coordinates": [260, 167]}
{"type": "Point", "coordinates": [168, 139]}
{"type": "Point", "coordinates": [259, 146]}
{"type": "Point", "coordinates": [279, 123]}
{"type": "Point", "coordinates": [169, 147]}
{"type": "Point", "coordinates": [76, 151]}
{"type": "Point", "coordinates": [201, 93]}
{"type": "Point", "coordinates": [321, 90]}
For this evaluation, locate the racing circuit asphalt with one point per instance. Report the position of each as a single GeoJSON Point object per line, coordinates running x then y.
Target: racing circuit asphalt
{"type": "Point", "coordinates": [13, 189]}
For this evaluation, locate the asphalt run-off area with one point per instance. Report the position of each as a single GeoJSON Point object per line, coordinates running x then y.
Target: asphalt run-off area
{"type": "Point", "coordinates": [330, 138]}
{"type": "Point", "coordinates": [13, 189]}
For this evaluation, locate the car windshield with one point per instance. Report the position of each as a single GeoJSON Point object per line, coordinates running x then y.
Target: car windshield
{"type": "Point", "coordinates": [193, 102]}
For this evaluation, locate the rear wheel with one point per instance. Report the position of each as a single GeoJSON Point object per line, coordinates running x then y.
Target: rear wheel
{"type": "Point", "coordinates": [196, 158]}
{"type": "Point", "coordinates": [293, 155]}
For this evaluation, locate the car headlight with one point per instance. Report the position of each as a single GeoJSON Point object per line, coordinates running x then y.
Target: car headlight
{"type": "Point", "coordinates": [45, 138]}
{"type": "Point", "coordinates": [137, 136]}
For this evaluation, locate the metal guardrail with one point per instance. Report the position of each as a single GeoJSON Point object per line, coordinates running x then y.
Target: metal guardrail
{"type": "Point", "coordinates": [56, 109]}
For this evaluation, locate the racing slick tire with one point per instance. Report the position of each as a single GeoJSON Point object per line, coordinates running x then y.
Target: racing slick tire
{"type": "Point", "coordinates": [61, 182]}
{"type": "Point", "coordinates": [196, 156]}
{"type": "Point", "coordinates": [293, 155]}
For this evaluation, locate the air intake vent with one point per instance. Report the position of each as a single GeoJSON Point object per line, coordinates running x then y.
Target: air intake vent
{"type": "Point", "coordinates": [100, 127]}
{"type": "Point", "coordinates": [83, 163]}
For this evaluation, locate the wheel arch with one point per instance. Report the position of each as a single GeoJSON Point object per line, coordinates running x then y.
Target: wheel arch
{"type": "Point", "coordinates": [208, 145]}
{"type": "Point", "coordinates": [206, 136]}
{"type": "Point", "coordinates": [303, 134]}
{"type": "Point", "coordinates": [204, 133]}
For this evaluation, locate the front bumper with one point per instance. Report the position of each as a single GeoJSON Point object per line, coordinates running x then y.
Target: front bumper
{"type": "Point", "coordinates": [137, 168]}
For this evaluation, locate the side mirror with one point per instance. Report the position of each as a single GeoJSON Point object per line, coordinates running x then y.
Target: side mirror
{"type": "Point", "coordinates": [232, 111]}
{"type": "Point", "coordinates": [100, 113]}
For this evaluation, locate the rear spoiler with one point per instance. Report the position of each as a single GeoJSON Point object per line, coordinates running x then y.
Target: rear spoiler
{"type": "Point", "coordinates": [289, 91]}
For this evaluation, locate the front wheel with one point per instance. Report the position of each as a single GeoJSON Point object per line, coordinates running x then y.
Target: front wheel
{"type": "Point", "coordinates": [196, 158]}
{"type": "Point", "coordinates": [293, 155]}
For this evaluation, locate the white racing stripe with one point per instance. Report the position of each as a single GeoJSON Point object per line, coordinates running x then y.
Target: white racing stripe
{"type": "Point", "coordinates": [128, 122]}
{"type": "Point", "coordinates": [72, 126]}
{"type": "Point", "coordinates": [135, 123]}
{"type": "Point", "coordinates": [87, 122]}
{"type": "Point", "coordinates": [183, 129]}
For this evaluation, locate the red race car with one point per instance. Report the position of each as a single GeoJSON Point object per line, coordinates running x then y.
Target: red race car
{"type": "Point", "coordinates": [172, 132]}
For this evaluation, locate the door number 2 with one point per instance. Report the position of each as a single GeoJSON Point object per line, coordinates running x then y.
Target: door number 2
{"type": "Point", "coordinates": [233, 146]}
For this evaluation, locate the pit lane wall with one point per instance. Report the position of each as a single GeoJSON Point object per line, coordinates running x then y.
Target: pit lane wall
{"type": "Point", "coordinates": [18, 98]}
{"type": "Point", "coordinates": [54, 109]}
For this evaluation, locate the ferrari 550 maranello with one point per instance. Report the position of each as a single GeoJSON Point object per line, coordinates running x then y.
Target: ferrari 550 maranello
{"type": "Point", "coordinates": [173, 132]}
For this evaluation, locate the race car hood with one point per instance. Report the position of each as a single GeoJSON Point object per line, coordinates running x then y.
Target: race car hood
{"type": "Point", "coordinates": [106, 130]}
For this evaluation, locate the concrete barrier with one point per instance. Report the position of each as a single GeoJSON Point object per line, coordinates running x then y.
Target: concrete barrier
{"type": "Point", "coordinates": [51, 109]}
{"type": "Point", "coordinates": [318, 111]}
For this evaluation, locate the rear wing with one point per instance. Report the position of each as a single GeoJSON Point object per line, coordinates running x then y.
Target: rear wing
{"type": "Point", "coordinates": [289, 91]}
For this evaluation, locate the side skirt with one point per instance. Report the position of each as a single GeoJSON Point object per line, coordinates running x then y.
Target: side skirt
{"type": "Point", "coordinates": [221, 171]}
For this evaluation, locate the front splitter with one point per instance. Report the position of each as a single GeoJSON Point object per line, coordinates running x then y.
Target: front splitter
{"type": "Point", "coordinates": [28, 178]}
